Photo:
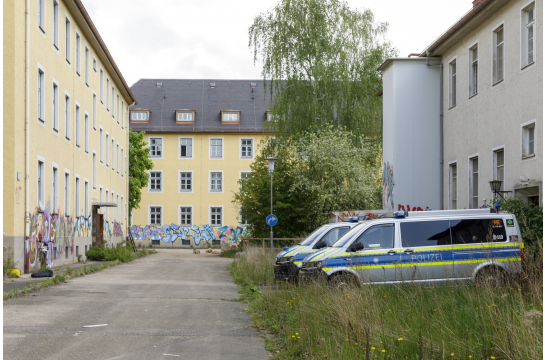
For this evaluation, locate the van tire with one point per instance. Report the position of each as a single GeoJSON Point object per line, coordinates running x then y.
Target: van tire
{"type": "Point", "coordinates": [342, 281]}
{"type": "Point", "coordinates": [491, 277]}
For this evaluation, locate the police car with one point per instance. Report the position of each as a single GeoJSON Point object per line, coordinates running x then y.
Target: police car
{"type": "Point", "coordinates": [422, 247]}
{"type": "Point", "coordinates": [288, 262]}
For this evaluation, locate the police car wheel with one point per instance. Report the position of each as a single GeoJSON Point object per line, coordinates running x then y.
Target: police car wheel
{"type": "Point", "coordinates": [491, 277]}
{"type": "Point", "coordinates": [342, 281]}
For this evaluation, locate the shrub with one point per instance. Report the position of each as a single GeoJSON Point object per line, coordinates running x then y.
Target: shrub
{"type": "Point", "coordinates": [120, 252]}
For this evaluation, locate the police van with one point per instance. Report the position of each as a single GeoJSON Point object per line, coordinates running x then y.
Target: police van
{"type": "Point", "coordinates": [422, 247]}
{"type": "Point", "coordinates": [288, 262]}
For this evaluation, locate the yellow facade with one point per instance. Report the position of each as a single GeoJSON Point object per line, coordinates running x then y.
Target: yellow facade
{"type": "Point", "coordinates": [55, 142]}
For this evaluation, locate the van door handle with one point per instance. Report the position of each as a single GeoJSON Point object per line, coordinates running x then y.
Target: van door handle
{"type": "Point", "coordinates": [408, 251]}
{"type": "Point", "coordinates": [391, 252]}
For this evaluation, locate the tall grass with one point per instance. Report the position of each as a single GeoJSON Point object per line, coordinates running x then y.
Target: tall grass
{"type": "Point", "coordinates": [451, 321]}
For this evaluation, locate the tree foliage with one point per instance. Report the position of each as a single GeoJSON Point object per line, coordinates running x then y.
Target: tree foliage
{"type": "Point", "coordinates": [139, 164]}
{"type": "Point", "coordinates": [322, 58]}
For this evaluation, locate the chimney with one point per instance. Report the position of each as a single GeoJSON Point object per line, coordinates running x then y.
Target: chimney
{"type": "Point", "coordinates": [212, 85]}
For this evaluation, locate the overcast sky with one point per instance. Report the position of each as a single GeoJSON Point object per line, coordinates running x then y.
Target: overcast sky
{"type": "Point", "coordinates": [208, 39]}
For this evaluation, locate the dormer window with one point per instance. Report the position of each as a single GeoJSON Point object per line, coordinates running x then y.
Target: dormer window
{"type": "Point", "coordinates": [273, 117]}
{"type": "Point", "coordinates": [140, 116]}
{"type": "Point", "coordinates": [185, 116]}
{"type": "Point", "coordinates": [230, 117]}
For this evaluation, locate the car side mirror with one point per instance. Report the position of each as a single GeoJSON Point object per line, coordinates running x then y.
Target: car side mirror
{"type": "Point", "coordinates": [320, 244]}
{"type": "Point", "coordinates": [357, 247]}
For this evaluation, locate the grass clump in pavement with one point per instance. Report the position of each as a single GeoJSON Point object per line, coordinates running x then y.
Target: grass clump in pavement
{"type": "Point", "coordinates": [229, 253]}
{"type": "Point", "coordinates": [120, 252]}
{"type": "Point", "coordinates": [455, 321]}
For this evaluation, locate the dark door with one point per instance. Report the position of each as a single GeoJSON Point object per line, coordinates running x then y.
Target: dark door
{"type": "Point", "coordinates": [97, 228]}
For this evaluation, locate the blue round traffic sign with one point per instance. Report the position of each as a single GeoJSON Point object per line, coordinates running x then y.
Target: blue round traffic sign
{"type": "Point", "coordinates": [271, 220]}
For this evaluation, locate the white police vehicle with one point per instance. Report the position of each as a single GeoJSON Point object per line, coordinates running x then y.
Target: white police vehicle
{"type": "Point", "coordinates": [289, 261]}
{"type": "Point", "coordinates": [422, 247]}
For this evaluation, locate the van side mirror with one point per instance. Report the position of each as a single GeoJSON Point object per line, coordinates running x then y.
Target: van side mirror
{"type": "Point", "coordinates": [357, 247]}
{"type": "Point", "coordinates": [320, 244]}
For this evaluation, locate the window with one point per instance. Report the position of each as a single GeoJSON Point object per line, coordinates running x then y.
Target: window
{"type": "Point", "coordinates": [452, 84]}
{"type": "Point", "coordinates": [107, 209]}
{"type": "Point", "coordinates": [497, 61]}
{"type": "Point", "coordinates": [41, 15]}
{"type": "Point", "coordinates": [112, 152]}
{"type": "Point", "coordinates": [94, 111]}
{"type": "Point", "coordinates": [273, 117]}
{"type": "Point", "coordinates": [453, 189]}
{"type": "Point", "coordinates": [67, 117]}
{"type": "Point", "coordinates": [186, 148]}
{"type": "Point", "coordinates": [86, 197]}
{"type": "Point", "coordinates": [86, 133]}
{"type": "Point", "coordinates": [101, 86]}
{"type": "Point", "coordinates": [499, 166]}
{"type": "Point", "coordinates": [56, 24]}
{"type": "Point", "coordinates": [216, 148]}
{"type": "Point", "coordinates": [473, 71]}
{"type": "Point", "coordinates": [156, 147]}
{"type": "Point", "coordinates": [242, 220]}
{"type": "Point", "coordinates": [121, 167]}
{"type": "Point", "coordinates": [377, 237]}
{"type": "Point", "coordinates": [215, 181]}
{"type": "Point", "coordinates": [94, 64]}
{"type": "Point", "coordinates": [40, 184]}
{"type": "Point", "coordinates": [139, 116]}
{"type": "Point", "coordinates": [474, 183]}
{"type": "Point", "coordinates": [78, 50]}
{"type": "Point", "coordinates": [107, 94]}
{"type": "Point", "coordinates": [55, 190]}
{"type": "Point", "coordinates": [117, 157]}
{"type": "Point", "coordinates": [425, 233]}
{"type": "Point", "coordinates": [67, 41]}
{"type": "Point", "coordinates": [77, 125]}
{"type": "Point", "coordinates": [113, 105]}
{"type": "Point", "coordinates": [230, 117]}
{"type": "Point", "coordinates": [472, 231]}
{"type": "Point", "coordinates": [155, 215]}
{"type": "Point", "coordinates": [118, 108]}
{"type": "Point", "coordinates": [185, 215]}
{"type": "Point", "coordinates": [41, 95]}
{"type": "Point", "coordinates": [528, 142]}
{"type": "Point", "coordinates": [185, 116]}
{"type": "Point", "coordinates": [155, 180]}
{"type": "Point", "coordinates": [100, 150]}
{"type": "Point", "coordinates": [246, 148]}
{"type": "Point", "coordinates": [122, 210]}
{"type": "Point", "coordinates": [186, 180]}
{"type": "Point", "coordinates": [122, 114]}
{"type": "Point", "coordinates": [107, 157]}
{"type": "Point", "coordinates": [66, 193]}
{"type": "Point", "coordinates": [117, 208]}
{"type": "Point", "coordinates": [244, 175]}
{"type": "Point", "coordinates": [528, 23]}
{"type": "Point", "coordinates": [94, 170]}
{"type": "Point", "coordinates": [86, 66]}
{"type": "Point", "coordinates": [77, 197]}
{"type": "Point", "coordinates": [215, 216]}
{"type": "Point", "coordinates": [55, 116]}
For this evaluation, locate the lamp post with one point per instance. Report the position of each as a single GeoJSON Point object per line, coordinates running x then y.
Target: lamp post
{"type": "Point", "coordinates": [495, 186]}
{"type": "Point", "coordinates": [271, 161]}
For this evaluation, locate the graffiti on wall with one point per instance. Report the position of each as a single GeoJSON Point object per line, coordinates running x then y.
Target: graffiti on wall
{"type": "Point", "coordinates": [346, 214]}
{"type": "Point", "coordinates": [388, 185]}
{"type": "Point", "coordinates": [415, 208]}
{"type": "Point", "coordinates": [173, 232]}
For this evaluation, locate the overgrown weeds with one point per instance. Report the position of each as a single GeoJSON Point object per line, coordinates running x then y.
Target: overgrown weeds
{"type": "Point", "coordinates": [456, 320]}
{"type": "Point", "coordinates": [8, 263]}
{"type": "Point", "coordinates": [119, 252]}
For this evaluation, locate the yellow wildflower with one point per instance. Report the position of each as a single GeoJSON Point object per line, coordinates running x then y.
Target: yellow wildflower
{"type": "Point", "coordinates": [451, 354]}
{"type": "Point", "coordinates": [372, 348]}
{"type": "Point", "coordinates": [383, 350]}
{"type": "Point", "coordinates": [399, 339]}
{"type": "Point", "coordinates": [296, 333]}
{"type": "Point", "coordinates": [345, 339]}
{"type": "Point", "coordinates": [492, 357]}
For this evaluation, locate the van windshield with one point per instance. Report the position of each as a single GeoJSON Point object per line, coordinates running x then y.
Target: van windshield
{"type": "Point", "coordinates": [343, 240]}
{"type": "Point", "coordinates": [314, 235]}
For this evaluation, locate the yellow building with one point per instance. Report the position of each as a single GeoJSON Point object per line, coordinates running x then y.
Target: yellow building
{"type": "Point", "coordinates": [65, 131]}
{"type": "Point", "coordinates": [203, 135]}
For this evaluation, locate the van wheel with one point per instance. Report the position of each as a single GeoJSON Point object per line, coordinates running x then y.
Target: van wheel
{"type": "Point", "coordinates": [490, 277]}
{"type": "Point", "coordinates": [342, 281]}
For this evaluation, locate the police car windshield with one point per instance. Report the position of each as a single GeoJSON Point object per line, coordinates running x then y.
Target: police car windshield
{"type": "Point", "coordinates": [314, 235]}
{"type": "Point", "coordinates": [346, 237]}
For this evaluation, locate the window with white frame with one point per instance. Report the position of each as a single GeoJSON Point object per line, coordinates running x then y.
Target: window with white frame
{"type": "Point", "coordinates": [86, 132]}
{"type": "Point", "coordinates": [246, 148]}
{"type": "Point", "coordinates": [56, 23]}
{"type": "Point", "coordinates": [216, 148]}
{"type": "Point", "coordinates": [122, 114]}
{"type": "Point", "coordinates": [41, 95]}
{"type": "Point", "coordinates": [107, 217]}
{"type": "Point", "coordinates": [216, 214]}
{"type": "Point", "coordinates": [155, 178]}
{"type": "Point", "coordinates": [67, 40]}
{"type": "Point", "coordinates": [499, 166]}
{"type": "Point", "coordinates": [118, 108]}
{"type": "Point", "coordinates": [100, 145]}
{"type": "Point", "coordinates": [186, 215]}
{"type": "Point", "coordinates": [273, 117]}
{"type": "Point", "coordinates": [55, 190]}
{"type": "Point", "coordinates": [112, 152]}
{"type": "Point", "coordinates": [528, 31]}
{"type": "Point", "coordinates": [122, 210]}
{"type": "Point", "coordinates": [41, 15]}
{"type": "Point", "coordinates": [94, 111]}
{"type": "Point", "coordinates": [241, 216]}
{"type": "Point", "coordinates": [474, 183]}
{"type": "Point", "coordinates": [107, 152]}
{"type": "Point", "coordinates": [94, 64]}
{"type": "Point", "coordinates": [186, 181]}
{"type": "Point", "coordinates": [185, 116]}
{"type": "Point", "coordinates": [85, 198]}
{"type": "Point", "coordinates": [215, 181]}
{"type": "Point", "coordinates": [107, 94]}
{"type": "Point", "coordinates": [155, 213]}
{"type": "Point", "coordinates": [66, 193]}
{"type": "Point", "coordinates": [244, 178]}
{"type": "Point", "coordinates": [497, 58]}
{"type": "Point", "coordinates": [77, 125]}
{"type": "Point", "coordinates": [121, 167]}
{"type": "Point", "coordinates": [55, 97]}
{"type": "Point", "coordinates": [101, 86]}
{"type": "Point", "coordinates": [139, 115]}
{"type": "Point", "coordinates": [230, 117]}
{"type": "Point", "coordinates": [40, 184]}
{"type": "Point", "coordinates": [186, 147]}
{"type": "Point", "coordinates": [473, 70]}
{"type": "Point", "coordinates": [113, 105]}
{"type": "Point", "coordinates": [117, 157]}
{"type": "Point", "coordinates": [453, 188]}
{"type": "Point", "coordinates": [452, 84]}
{"type": "Point", "coordinates": [156, 147]}
{"type": "Point", "coordinates": [78, 50]}
{"type": "Point", "coordinates": [94, 170]}
{"type": "Point", "coordinates": [67, 117]}
{"type": "Point", "coordinates": [77, 197]}
{"type": "Point", "coordinates": [528, 140]}
{"type": "Point", "coordinates": [86, 66]}
{"type": "Point", "coordinates": [117, 208]}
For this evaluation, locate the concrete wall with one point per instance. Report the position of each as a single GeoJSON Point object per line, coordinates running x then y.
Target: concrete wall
{"type": "Point", "coordinates": [492, 119]}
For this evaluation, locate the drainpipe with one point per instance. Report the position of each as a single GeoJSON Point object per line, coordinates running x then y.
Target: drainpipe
{"type": "Point", "coordinates": [440, 64]}
{"type": "Point", "coordinates": [127, 212]}
{"type": "Point", "coordinates": [27, 139]}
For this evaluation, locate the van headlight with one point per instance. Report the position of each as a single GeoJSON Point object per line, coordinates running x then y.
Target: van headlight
{"type": "Point", "coordinates": [285, 259]}
{"type": "Point", "coordinates": [319, 264]}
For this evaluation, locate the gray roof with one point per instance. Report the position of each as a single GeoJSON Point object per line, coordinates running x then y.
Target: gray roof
{"type": "Point", "coordinates": [198, 95]}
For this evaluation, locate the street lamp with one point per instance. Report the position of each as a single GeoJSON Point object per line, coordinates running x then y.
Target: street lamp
{"type": "Point", "coordinates": [495, 186]}
{"type": "Point", "coordinates": [271, 161]}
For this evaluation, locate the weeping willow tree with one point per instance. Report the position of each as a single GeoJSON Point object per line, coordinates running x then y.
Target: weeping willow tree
{"type": "Point", "coordinates": [319, 62]}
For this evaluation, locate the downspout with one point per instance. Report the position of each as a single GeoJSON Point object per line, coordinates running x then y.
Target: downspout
{"type": "Point", "coordinates": [127, 213]}
{"type": "Point", "coordinates": [440, 64]}
{"type": "Point", "coordinates": [27, 139]}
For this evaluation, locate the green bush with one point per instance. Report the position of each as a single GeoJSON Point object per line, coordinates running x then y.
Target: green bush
{"type": "Point", "coordinates": [530, 219]}
{"type": "Point", "coordinates": [100, 253]}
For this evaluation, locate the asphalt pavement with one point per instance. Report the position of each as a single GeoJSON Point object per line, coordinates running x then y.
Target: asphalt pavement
{"type": "Point", "coordinates": [169, 305]}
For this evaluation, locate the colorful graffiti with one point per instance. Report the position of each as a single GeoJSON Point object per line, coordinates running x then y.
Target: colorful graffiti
{"type": "Point", "coordinates": [173, 232]}
{"type": "Point", "coordinates": [415, 208]}
{"type": "Point", "coordinates": [388, 185]}
{"type": "Point", "coordinates": [346, 214]}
